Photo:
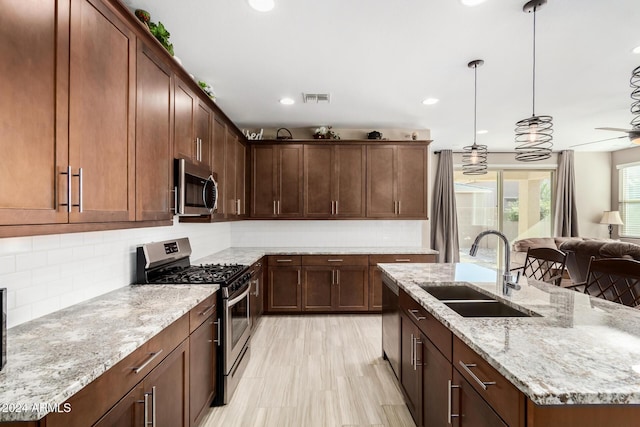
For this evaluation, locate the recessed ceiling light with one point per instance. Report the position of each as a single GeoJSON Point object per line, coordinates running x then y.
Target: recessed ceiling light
{"type": "Point", "coordinates": [471, 3]}
{"type": "Point", "coordinates": [482, 131]}
{"type": "Point", "coordinates": [430, 101]}
{"type": "Point", "coordinates": [636, 49]}
{"type": "Point", "coordinates": [262, 5]}
{"type": "Point", "coordinates": [287, 101]}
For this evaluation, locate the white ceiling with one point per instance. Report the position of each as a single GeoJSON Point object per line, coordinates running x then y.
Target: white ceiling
{"type": "Point", "coordinates": [380, 58]}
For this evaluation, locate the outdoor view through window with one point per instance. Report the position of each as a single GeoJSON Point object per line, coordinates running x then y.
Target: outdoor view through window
{"type": "Point", "coordinates": [516, 202]}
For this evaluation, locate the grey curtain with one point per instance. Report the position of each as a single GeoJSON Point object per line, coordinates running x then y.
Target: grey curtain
{"type": "Point", "coordinates": [566, 218]}
{"type": "Point", "coordinates": [444, 219]}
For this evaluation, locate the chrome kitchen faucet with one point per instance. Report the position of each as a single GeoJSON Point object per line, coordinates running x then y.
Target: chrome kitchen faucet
{"type": "Point", "coordinates": [507, 278]}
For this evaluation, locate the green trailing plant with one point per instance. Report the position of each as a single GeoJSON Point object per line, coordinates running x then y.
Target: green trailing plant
{"type": "Point", "coordinates": [162, 35]}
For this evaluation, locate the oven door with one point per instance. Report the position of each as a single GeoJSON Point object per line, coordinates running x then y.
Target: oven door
{"type": "Point", "coordinates": [237, 325]}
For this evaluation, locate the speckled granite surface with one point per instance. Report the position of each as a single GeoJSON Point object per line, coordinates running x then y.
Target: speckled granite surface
{"type": "Point", "coordinates": [51, 358]}
{"type": "Point", "coordinates": [581, 350]}
{"type": "Point", "coordinates": [248, 256]}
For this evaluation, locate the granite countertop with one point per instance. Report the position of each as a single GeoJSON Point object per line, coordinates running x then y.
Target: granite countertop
{"type": "Point", "coordinates": [248, 256]}
{"type": "Point", "coordinates": [51, 358]}
{"type": "Point", "coordinates": [580, 350]}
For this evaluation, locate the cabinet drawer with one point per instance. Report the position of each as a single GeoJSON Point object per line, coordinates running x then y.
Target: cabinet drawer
{"type": "Point", "coordinates": [284, 260]}
{"type": "Point", "coordinates": [94, 400]}
{"type": "Point", "coordinates": [429, 325]}
{"type": "Point", "coordinates": [503, 396]}
{"type": "Point", "coordinates": [202, 311]}
{"type": "Point", "coordinates": [331, 260]}
{"type": "Point", "coordinates": [375, 259]}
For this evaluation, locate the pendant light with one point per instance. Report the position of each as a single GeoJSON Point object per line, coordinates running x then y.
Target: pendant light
{"type": "Point", "coordinates": [474, 157]}
{"type": "Point", "coordinates": [534, 134]}
{"type": "Point", "coordinates": [634, 134]}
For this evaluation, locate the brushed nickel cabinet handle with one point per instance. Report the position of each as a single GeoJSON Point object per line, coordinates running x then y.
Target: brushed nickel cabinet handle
{"type": "Point", "coordinates": [68, 204]}
{"type": "Point", "coordinates": [399, 207]}
{"type": "Point", "coordinates": [146, 362]}
{"type": "Point", "coordinates": [153, 406]}
{"type": "Point", "coordinates": [299, 277]}
{"type": "Point", "coordinates": [413, 314]}
{"type": "Point", "coordinates": [284, 260]}
{"type": "Point", "coordinates": [274, 208]}
{"type": "Point", "coordinates": [481, 383]}
{"type": "Point", "coordinates": [411, 349]}
{"type": "Point", "coordinates": [336, 207]}
{"type": "Point", "coordinates": [335, 260]}
{"type": "Point", "coordinates": [333, 277]}
{"type": "Point", "coordinates": [403, 260]}
{"type": "Point", "coordinates": [450, 415]}
{"type": "Point", "coordinates": [207, 310]}
{"type": "Point", "coordinates": [217, 340]}
{"type": "Point", "coordinates": [80, 204]}
{"type": "Point", "coordinates": [146, 409]}
{"type": "Point", "coordinates": [278, 207]}
{"type": "Point", "coordinates": [338, 276]}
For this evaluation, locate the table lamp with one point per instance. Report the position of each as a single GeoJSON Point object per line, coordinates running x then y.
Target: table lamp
{"type": "Point", "coordinates": [612, 218]}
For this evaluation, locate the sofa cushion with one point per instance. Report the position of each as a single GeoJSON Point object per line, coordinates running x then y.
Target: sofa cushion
{"type": "Point", "coordinates": [534, 242]}
{"type": "Point", "coordinates": [620, 250]}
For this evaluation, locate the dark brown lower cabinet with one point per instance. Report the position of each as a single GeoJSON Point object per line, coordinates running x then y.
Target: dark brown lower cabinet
{"type": "Point", "coordinates": [202, 372]}
{"type": "Point", "coordinates": [166, 389]}
{"type": "Point", "coordinates": [468, 408]}
{"type": "Point", "coordinates": [319, 288]}
{"type": "Point", "coordinates": [436, 374]}
{"type": "Point", "coordinates": [352, 283]}
{"type": "Point", "coordinates": [128, 412]}
{"type": "Point", "coordinates": [285, 289]}
{"type": "Point", "coordinates": [411, 367]}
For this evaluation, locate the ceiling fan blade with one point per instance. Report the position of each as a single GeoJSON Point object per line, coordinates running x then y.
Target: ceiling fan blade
{"type": "Point", "coordinates": [616, 129]}
{"type": "Point", "coordinates": [600, 140]}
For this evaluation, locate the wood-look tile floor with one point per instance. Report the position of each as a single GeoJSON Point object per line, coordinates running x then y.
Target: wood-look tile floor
{"type": "Point", "coordinates": [307, 371]}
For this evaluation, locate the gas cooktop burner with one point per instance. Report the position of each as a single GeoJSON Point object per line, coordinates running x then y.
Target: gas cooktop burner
{"type": "Point", "coordinates": [207, 273]}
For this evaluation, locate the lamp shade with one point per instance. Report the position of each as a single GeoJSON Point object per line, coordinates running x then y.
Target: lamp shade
{"type": "Point", "coordinates": [611, 217]}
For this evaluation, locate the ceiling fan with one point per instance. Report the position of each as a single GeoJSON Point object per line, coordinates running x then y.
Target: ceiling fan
{"type": "Point", "coordinates": [634, 133]}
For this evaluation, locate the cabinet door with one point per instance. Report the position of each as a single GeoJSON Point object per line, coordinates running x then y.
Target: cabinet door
{"type": "Point", "coordinates": [411, 369]}
{"type": "Point", "coordinates": [412, 182]}
{"type": "Point", "coordinates": [436, 374]}
{"type": "Point", "coordinates": [101, 114]}
{"type": "Point", "coordinates": [285, 289]}
{"type": "Point", "coordinates": [229, 201]}
{"type": "Point", "coordinates": [168, 386]}
{"type": "Point", "coordinates": [319, 285]}
{"type": "Point", "coordinates": [349, 183]}
{"type": "Point", "coordinates": [375, 289]}
{"type": "Point", "coordinates": [381, 181]}
{"type": "Point", "coordinates": [128, 412]}
{"type": "Point", "coordinates": [352, 288]}
{"type": "Point", "coordinates": [203, 134]}
{"type": "Point", "coordinates": [241, 168]}
{"type": "Point", "coordinates": [263, 188]}
{"type": "Point", "coordinates": [318, 178]}
{"type": "Point", "coordinates": [184, 142]}
{"type": "Point", "coordinates": [289, 190]}
{"type": "Point", "coordinates": [153, 137]}
{"type": "Point", "coordinates": [202, 369]}
{"type": "Point", "coordinates": [473, 411]}
{"type": "Point", "coordinates": [33, 111]}
{"type": "Point", "coordinates": [218, 160]}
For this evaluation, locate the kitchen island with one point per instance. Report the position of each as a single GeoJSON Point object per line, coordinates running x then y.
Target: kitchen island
{"type": "Point", "coordinates": [575, 357]}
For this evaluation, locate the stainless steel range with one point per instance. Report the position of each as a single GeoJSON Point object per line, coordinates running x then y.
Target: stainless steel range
{"type": "Point", "coordinates": [168, 262]}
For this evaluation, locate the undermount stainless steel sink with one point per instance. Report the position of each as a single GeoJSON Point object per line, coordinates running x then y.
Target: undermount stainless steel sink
{"type": "Point", "coordinates": [487, 308]}
{"type": "Point", "coordinates": [469, 302]}
{"type": "Point", "coordinates": [456, 293]}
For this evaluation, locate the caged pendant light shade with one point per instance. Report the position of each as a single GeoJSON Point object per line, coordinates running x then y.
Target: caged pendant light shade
{"type": "Point", "coordinates": [474, 157]}
{"type": "Point", "coordinates": [534, 135]}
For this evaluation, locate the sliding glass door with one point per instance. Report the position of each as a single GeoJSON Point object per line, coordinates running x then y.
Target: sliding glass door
{"type": "Point", "coordinates": [515, 202]}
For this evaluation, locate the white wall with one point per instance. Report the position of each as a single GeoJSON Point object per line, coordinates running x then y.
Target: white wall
{"type": "Point", "coordinates": [339, 233]}
{"type": "Point", "coordinates": [593, 191]}
{"type": "Point", "coordinates": [43, 274]}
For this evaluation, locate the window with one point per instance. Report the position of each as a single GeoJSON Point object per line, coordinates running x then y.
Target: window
{"type": "Point", "coordinates": [629, 199]}
{"type": "Point", "coordinates": [515, 202]}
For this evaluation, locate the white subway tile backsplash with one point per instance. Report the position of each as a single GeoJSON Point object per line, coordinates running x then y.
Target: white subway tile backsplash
{"type": "Point", "coordinates": [44, 243]}
{"type": "Point", "coordinates": [59, 256]}
{"type": "Point", "coordinates": [11, 300]}
{"type": "Point", "coordinates": [31, 260]}
{"type": "Point", "coordinates": [15, 245]}
{"type": "Point", "coordinates": [46, 306]}
{"type": "Point", "coordinates": [19, 315]}
{"type": "Point", "coordinates": [7, 264]}
{"type": "Point", "coordinates": [26, 296]}
{"type": "Point", "coordinates": [13, 281]}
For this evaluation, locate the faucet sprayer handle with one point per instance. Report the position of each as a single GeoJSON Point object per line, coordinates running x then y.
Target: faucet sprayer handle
{"type": "Point", "coordinates": [514, 284]}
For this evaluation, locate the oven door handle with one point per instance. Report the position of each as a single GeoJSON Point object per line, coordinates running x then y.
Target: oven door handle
{"type": "Point", "coordinates": [239, 298]}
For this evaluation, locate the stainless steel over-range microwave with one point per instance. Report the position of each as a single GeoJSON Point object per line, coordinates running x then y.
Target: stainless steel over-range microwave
{"type": "Point", "coordinates": [196, 189]}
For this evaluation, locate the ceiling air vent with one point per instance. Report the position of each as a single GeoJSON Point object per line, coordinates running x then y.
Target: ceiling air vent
{"type": "Point", "coordinates": [316, 98]}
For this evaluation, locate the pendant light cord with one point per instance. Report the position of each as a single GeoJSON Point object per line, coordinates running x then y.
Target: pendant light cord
{"type": "Point", "coordinates": [534, 63]}
{"type": "Point", "coordinates": [475, 101]}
